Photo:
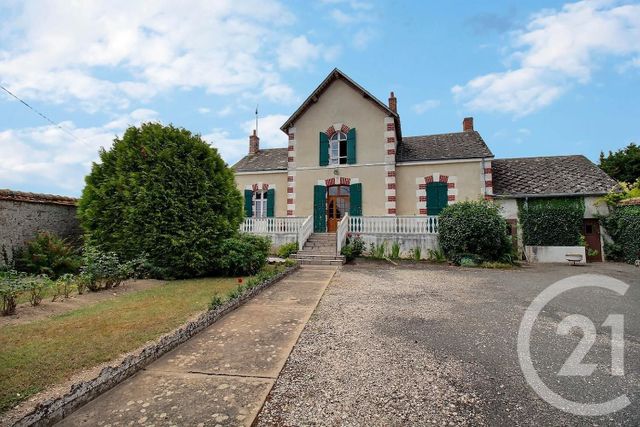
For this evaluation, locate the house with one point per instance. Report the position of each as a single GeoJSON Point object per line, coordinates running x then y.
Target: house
{"type": "Point", "coordinates": [347, 158]}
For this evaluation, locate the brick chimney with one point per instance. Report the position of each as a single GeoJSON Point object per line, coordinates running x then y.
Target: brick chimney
{"type": "Point", "coordinates": [467, 124]}
{"type": "Point", "coordinates": [393, 103]}
{"type": "Point", "coordinates": [254, 143]}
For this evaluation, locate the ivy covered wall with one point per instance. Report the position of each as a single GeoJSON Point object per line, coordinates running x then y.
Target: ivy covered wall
{"type": "Point", "coordinates": [551, 221]}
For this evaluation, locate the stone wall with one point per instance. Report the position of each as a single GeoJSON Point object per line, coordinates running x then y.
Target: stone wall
{"type": "Point", "coordinates": [22, 215]}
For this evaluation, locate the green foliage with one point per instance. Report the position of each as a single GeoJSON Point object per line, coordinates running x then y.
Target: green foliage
{"type": "Point", "coordinates": [473, 227]}
{"type": "Point", "coordinates": [48, 254]}
{"type": "Point", "coordinates": [467, 261]}
{"type": "Point", "coordinates": [416, 253]}
{"type": "Point", "coordinates": [11, 286]}
{"type": "Point", "coordinates": [622, 165]}
{"type": "Point", "coordinates": [243, 255]}
{"type": "Point", "coordinates": [103, 269]}
{"type": "Point", "coordinates": [395, 251]}
{"type": "Point", "coordinates": [625, 191]}
{"type": "Point", "coordinates": [623, 225]}
{"type": "Point", "coordinates": [287, 249]}
{"type": "Point", "coordinates": [216, 301]}
{"type": "Point", "coordinates": [37, 287]}
{"type": "Point", "coordinates": [437, 255]}
{"type": "Point", "coordinates": [63, 286]}
{"type": "Point", "coordinates": [353, 249]}
{"type": "Point", "coordinates": [497, 265]}
{"type": "Point", "coordinates": [378, 251]}
{"type": "Point", "coordinates": [552, 222]}
{"type": "Point", "coordinates": [165, 192]}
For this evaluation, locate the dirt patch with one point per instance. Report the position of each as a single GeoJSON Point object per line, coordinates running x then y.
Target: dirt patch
{"type": "Point", "coordinates": [26, 313]}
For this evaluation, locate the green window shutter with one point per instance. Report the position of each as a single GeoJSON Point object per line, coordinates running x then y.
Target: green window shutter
{"type": "Point", "coordinates": [324, 149]}
{"type": "Point", "coordinates": [351, 146]}
{"type": "Point", "coordinates": [436, 197]}
{"type": "Point", "coordinates": [319, 209]}
{"type": "Point", "coordinates": [248, 203]}
{"type": "Point", "coordinates": [271, 201]}
{"type": "Point", "coordinates": [355, 202]}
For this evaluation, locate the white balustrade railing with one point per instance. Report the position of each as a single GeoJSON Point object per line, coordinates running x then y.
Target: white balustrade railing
{"type": "Point", "coordinates": [341, 233]}
{"type": "Point", "coordinates": [272, 225]}
{"type": "Point", "coordinates": [306, 228]}
{"type": "Point", "coordinates": [393, 224]}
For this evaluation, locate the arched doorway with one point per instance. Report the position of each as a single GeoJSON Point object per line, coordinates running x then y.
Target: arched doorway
{"type": "Point", "coordinates": [338, 197]}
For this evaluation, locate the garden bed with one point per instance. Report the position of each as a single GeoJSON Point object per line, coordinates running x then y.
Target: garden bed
{"type": "Point", "coordinates": [43, 353]}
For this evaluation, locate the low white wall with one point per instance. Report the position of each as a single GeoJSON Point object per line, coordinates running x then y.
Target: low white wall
{"type": "Point", "coordinates": [407, 242]}
{"type": "Point", "coordinates": [543, 254]}
{"type": "Point", "coordinates": [278, 240]}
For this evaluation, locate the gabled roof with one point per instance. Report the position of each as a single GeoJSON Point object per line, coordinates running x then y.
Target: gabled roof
{"type": "Point", "coordinates": [549, 176]}
{"type": "Point", "coordinates": [446, 146]}
{"type": "Point", "coordinates": [264, 160]}
{"type": "Point", "coordinates": [335, 74]}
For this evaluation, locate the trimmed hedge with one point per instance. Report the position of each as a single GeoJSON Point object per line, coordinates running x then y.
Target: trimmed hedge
{"type": "Point", "coordinates": [552, 222]}
{"type": "Point", "coordinates": [623, 225]}
{"type": "Point", "coordinates": [473, 229]}
{"type": "Point", "coordinates": [164, 192]}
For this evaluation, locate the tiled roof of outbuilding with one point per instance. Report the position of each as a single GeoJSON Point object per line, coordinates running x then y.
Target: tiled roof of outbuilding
{"type": "Point", "coordinates": [445, 146]}
{"type": "Point", "coordinates": [264, 160]}
{"type": "Point", "coordinates": [20, 196]}
{"type": "Point", "coordinates": [540, 176]}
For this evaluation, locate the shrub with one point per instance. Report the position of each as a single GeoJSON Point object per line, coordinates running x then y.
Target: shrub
{"type": "Point", "coordinates": [103, 269]}
{"type": "Point", "coordinates": [48, 254]}
{"type": "Point", "coordinates": [552, 222]}
{"type": "Point", "coordinates": [11, 286]}
{"type": "Point", "coordinates": [244, 255]}
{"type": "Point", "coordinates": [416, 253]}
{"type": "Point", "coordinates": [378, 251]}
{"type": "Point", "coordinates": [474, 228]}
{"type": "Point", "coordinates": [216, 302]}
{"type": "Point", "coordinates": [287, 249]}
{"type": "Point", "coordinates": [37, 287]}
{"type": "Point", "coordinates": [623, 225]}
{"type": "Point", "coordinates": [437, 255]}
{"type": "Point", "coordinates": [395, 250]}
{"type": "Point", "coordinates": [353, 248]}
{"type": "Point", "coordinates": [162, 191]}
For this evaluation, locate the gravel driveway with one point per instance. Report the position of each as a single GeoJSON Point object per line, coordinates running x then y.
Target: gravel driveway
{"type": "Point", "coordinates": [432, 344]}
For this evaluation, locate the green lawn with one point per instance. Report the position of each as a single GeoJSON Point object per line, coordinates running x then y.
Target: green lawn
{"type": "Point", "coordinates": [36, 355]}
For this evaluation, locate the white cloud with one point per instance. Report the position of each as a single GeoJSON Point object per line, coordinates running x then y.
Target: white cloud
{"type": "Point", "coordinates": [233, 149]}
{"type": "Point", "coordinates": [204, 110]}
{"type": "Point", "coordinates": [558, 48]}
{"type": "Point", "coordinates": [49, 154]}
{"type": "Point", "coordinates": [105, 54]}
{"type": "Point", "coordinates": [297, 52]}
{"type": "Point", "coordinates": [425, 106]}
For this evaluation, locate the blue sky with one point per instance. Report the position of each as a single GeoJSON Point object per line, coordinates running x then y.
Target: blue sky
{"type": "Point", "coordinates": [539, 78]}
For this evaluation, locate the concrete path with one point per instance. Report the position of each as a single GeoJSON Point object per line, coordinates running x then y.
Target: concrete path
{"type": "Point", "coordinates": [223, 375]}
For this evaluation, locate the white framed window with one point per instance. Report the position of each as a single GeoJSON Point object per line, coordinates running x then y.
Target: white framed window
{"type": "Point", "coordinates": [338, 149]}
{"type": "Point", "coordinates": [259, 204]}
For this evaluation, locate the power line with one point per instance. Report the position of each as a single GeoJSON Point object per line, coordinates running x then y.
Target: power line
{"type": "Point", "coordinates": [40, 114]}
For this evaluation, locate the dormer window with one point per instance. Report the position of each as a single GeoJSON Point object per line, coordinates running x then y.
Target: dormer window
{"type": "Point", "coordinates": [338, 149]}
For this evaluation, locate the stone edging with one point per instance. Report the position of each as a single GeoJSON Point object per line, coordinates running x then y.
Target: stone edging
{"type": "Point", "coordinates": [53, 410]}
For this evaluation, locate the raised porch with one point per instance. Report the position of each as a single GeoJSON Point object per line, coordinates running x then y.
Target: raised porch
{"type": "Point", "coordinates": [408, 231]}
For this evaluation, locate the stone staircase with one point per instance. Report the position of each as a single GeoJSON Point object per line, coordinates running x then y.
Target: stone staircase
{"type": "Point", "coordinates": [320, 249]}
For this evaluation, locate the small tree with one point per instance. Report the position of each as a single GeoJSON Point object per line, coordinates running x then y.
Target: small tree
{"type": "Point", "coordinates": [164, 192]}
{"type": "Point", "coordinates": [622, 165]}
{"type": "Point", "coordinates": [473, 228]}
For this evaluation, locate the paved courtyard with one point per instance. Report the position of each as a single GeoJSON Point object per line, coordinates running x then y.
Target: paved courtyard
{"type": "Point", "coordinates": [437, 345]}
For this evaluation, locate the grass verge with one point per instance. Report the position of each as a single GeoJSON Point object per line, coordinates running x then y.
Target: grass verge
{"type": "Point", "coordinates": [46, 352]}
